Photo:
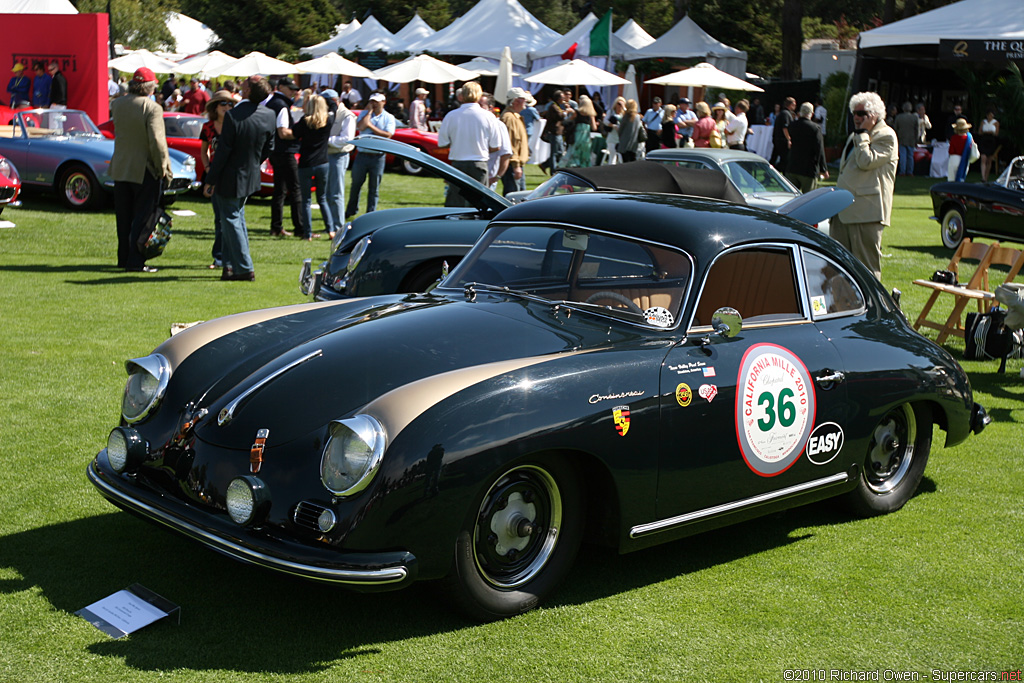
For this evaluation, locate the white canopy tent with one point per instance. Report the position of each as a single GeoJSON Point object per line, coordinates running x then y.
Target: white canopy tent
{"type": "Point", "coordinates": [342, 31]}
{"type": "Point", "coordinates": [191, 37]}
{"type": "Point", "coordinates": [964, 20]}
{"type": "Point", "coordinates": [415, 30]}
{"type": "Point", "coordinates": [369, 37]}
{"type": "Point", "coordinates": [486, 29]}
{"type": "Point", "coordinates": [687, 40]}
{"type": "Point", "coordinates": [634, 35]}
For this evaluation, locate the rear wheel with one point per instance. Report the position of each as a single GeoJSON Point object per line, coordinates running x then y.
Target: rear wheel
{"type": "Point", "coordinates": [78, 188]}
{"type": "Point", "coordinates": [953, 228]}
{"type": "Point", "coordinates": [411, 167]}
{"type": "Point", "coordinates": [519, 542]}
{"type": "Point", "coordinates": [895, 461]}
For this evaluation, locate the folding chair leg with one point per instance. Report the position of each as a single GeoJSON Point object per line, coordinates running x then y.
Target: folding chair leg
{"type": "Point", "coordinates": [953, 321]}
{"type": "Point", "coordinates": [927, 308]}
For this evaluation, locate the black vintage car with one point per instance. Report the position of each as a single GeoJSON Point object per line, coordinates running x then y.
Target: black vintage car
{"type": "Point", "coordinates": [993, 209]}
{"type": "Point", "coordinates": [405, 250]}
{"type": "Point", "coordinates": [629, 369]}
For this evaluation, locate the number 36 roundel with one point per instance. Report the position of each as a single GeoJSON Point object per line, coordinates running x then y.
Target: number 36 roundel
{"type": "Point", "coordinates": [774, 408]}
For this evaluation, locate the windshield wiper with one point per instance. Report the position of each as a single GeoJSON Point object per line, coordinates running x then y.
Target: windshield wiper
{"type": "Point", "coordinates": [471, 288]}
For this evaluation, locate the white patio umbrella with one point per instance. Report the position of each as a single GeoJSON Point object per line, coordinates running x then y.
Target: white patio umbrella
{"type": "Point", "coordinates": [203, 63]}
{"type": "Point", "coordinates": [483, 66]}
{"type": "Point", "coordinates": [423, 68]}
{"type": "Point", "coordinates": [704, 75]}
{"type": "Point", "coordinates": [252, 64]}
{"type": "Point", "coordinates": [333, 63]}
{"type": "Point", "coordinates": [137, 59]}
{"type": "Point", "coordinates": [504, 80]}
{"type": "Point", "coordinates": [574, 72]}
{"type": "Point", "coordinates": [630, 92]}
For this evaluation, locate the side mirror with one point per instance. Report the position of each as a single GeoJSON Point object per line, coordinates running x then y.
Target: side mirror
{"type": "Point", "coordinates": [727, 322]}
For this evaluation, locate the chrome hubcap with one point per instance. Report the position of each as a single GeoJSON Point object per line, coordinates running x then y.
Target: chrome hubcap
{"type": "Point", "coordinates": [77, 188]}
{"type": "Point", "coordinates": [892, 450]}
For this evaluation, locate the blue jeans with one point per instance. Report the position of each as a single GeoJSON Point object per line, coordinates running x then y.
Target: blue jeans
{"type": "Point", "coordinates": [337, 164]}
{"type": "Point", "coordinates": [906, 160]}
{"type": "Point", "coordinates": [235, 235]}
{"type": "Point", "coordinates": [366, 164]}
{"type": "Point", "coordinates": [306, 175]}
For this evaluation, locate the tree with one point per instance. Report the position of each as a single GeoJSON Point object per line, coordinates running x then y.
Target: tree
{"type": "Point", "coordinates": [275, 27]}
{"type": "Point", "coordinates": [135, 24]}
{"type": "Point", "coordinates": [792, 39]}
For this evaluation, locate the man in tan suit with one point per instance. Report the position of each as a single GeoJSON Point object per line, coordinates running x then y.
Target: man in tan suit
{"type": "Point", "coordinates": [868, 171]}
{"type": "Point", "coordinates": [138, 167]}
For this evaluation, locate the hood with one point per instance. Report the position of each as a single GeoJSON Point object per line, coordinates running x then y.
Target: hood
{"type": "Point", "coordinates": [293, 374]}
{"type": "Point", "coordinates": [476, 194]}
{"type": "Point", "coordinates": [368, 223]}
{"type": "Point", "coordinates": [817, 205]}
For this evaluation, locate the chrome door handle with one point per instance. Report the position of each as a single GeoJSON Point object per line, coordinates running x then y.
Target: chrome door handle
{"type": "Point", "coordinates": [834, 377]}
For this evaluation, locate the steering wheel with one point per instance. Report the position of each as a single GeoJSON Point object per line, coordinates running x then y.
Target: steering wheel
{"type": "Point", "coordinates": [619, 299]}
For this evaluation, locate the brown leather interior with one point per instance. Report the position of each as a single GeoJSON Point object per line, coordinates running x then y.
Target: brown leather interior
{"type": "Point", "coordinates": [756, 282]}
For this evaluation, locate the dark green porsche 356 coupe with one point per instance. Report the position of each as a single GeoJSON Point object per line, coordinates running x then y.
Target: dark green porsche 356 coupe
{"type": "Point", "coordinates": [625, 369]}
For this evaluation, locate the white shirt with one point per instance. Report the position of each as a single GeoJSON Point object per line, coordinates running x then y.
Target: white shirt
{"type": "Point", "coordinates": [470, 132]}
{"type": "Point", "coordinates": [352, 98]}
{"type": "Point", "coordinates": [821, 114]}
{"type": "Point", "coordinates": [736, 130]}
{"type": "Point", "coordinates": [504, 147]}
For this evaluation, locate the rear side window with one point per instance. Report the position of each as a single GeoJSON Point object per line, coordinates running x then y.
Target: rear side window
{"type": "Point", "coordinates": [760, 283]}
{"type": "Point", "coordinates": [831, 290]}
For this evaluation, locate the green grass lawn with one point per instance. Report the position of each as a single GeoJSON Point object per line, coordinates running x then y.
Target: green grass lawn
{"type": "Point", "coordinates": [936, 586]}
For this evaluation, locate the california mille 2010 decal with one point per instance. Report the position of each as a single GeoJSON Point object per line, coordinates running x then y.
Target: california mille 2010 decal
{"type": "Point", "coordinates": [775, 407]}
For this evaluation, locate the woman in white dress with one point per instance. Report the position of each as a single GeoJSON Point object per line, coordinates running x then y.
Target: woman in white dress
{"type": "Point", "coordinates": [612, 118]}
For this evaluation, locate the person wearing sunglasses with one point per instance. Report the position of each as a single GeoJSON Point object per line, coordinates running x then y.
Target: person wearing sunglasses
{"type": "Point", "coordinates": [867, 169]}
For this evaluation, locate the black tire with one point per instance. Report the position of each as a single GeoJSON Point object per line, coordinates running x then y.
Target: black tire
{"type": "Point", "coordinates": [421, 278]}
{"type": "Point", "coordinates": [895, 461]}
{"type": "Point", "coordinates": [623, 301]}
{"type": "Point", "coordinates": [953, 228]}
{"type": "Point", "coordinates": [518, 541]}
{"type": "Point", "coordinates": [411, 167]}
{"type": "Point", "coordinates": [78, 188]}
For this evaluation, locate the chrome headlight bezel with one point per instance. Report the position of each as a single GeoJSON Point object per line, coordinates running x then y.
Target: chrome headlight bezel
{"type": "Point", "coordinates": [155, 370]}
{"type": "Point", "coordinates": [346, 467]}
{"type": "Point", "coordinates": [357, 253]}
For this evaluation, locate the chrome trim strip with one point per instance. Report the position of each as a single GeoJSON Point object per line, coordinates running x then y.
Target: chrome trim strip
{"type": "Point", "coordinates": [436, 246]}
{"type": "Point", "coordinates": [374, 576]}
{"type": "Point", "coordinates": [662, 525]}
{"type": "Point", "coordinates": [229, 411]}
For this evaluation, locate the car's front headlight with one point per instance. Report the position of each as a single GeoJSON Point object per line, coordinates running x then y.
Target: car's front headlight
{"type": "Point", "coordinates": [7, 169]}
{"type": "Point", "coordinates": [352, 454]}
{"type": "Point", "coordinates": [189, 164]}
{"type": "Point", "coordinates": [357, 253]}
{"type": "Point", "coordinates": [147, 382]}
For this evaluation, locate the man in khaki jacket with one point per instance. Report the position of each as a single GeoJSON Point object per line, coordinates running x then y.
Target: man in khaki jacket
{"type": "Point", "coordinates": [868, 170]}
{"type": "Point", "coordinates": [515, 178]}
{"type": "Point", "coordinates": [139, 165]}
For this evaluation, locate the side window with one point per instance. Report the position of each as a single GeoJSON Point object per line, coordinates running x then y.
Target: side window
{"type": "Point", "coordinates": [830, 289]}
{"type": "Point", "coordinates": [686, 163]}
{"type": "Point", "coordinates": [759, 282]}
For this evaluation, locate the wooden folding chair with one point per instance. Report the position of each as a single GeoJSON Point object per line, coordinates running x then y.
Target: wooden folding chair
{"type": "Point", "coordinates": [968, 251]}
{"type": "Point", "coordinates": [984, 295]}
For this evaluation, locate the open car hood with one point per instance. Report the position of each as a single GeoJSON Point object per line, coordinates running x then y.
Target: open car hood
{"type": "Point", "coordinates": [817, 205]}
{"type": "Point", "coordinates": [476, 194]}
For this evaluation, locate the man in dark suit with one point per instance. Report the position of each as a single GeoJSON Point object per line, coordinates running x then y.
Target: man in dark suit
{"type": "Point", "coordinates": [245, 141]}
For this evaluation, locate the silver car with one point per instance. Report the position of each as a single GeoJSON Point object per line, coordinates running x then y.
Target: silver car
{"type": "Point", "coordinates": [63, 149]}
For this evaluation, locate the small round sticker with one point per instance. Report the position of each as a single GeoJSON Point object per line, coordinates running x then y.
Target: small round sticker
{"type": "Point", "coordinates": [659, 317]}
{"type": "Point", "coordinates": [826, 441]}
{"type": "Point", "coordinates": [684, 394]}
{"type": "Point", "coordinates": [775, 406]}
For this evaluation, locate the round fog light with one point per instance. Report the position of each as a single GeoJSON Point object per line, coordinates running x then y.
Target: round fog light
{"type": "Point", "coordinates": [125, 449]}
{"type": "Point", "coordinates": [326, 520]}
{"type": "Point", "coordinates": [247, 500]}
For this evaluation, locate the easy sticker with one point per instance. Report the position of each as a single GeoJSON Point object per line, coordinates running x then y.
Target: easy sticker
{"type": "Point", "coordinates": [775, 405]}
{"type": "Point", "coordinates": [620, 415]}
{"type": "Point", "coordinates": [826, 441]}
{"type": "Point", "coordinates": [659, 317]}
{"type": "Point", "coordinates": [684, 394]}
{"type": "Point", "coordinates": [708, 391]}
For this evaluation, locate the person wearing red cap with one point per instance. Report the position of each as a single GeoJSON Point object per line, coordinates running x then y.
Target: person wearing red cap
{"type": "Point", "coordinates": [139, 166]}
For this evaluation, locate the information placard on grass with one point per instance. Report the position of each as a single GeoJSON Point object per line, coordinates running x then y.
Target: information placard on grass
{"type": "Point", "coordinates": [128, 610]}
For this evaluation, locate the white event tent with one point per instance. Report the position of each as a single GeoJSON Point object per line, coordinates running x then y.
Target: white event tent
{"type": "Point", "coordinates": [369, 37]}
{"type": "Point", "coordinates": [417, 29]}
{"type": "Point", "coordinates": [191, 37]}
{"type": "Point", "coordinates": [486, 29]}
{"type": "Point", "coordinates": [551, 54]}
{"type": "Point", "coordinates": [634, 35]}
{"type": "Point", "coordinates": [687, 40]}
{"type": "Point", "coordinates": [964, 20]}
{"type": "Point", "coordinates": [334, 42]}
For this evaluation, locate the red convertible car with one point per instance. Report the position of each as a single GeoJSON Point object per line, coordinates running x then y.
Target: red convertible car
{"type": "Point", "coordinates": [10, 184]}
{"type": "Point", "coordinates": [183, 135]}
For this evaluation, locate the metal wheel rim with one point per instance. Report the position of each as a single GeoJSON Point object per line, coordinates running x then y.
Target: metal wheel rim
{"type": "Point", "coordinates": [411, 167]}
{"type": "Point", "coordinates": [891, 452]}
{"type": "Point", "coordinates": [77, 188]}
{"type": "Point", "coordinates": [952, 229]}
{"type": "Point", "coordinates": [526, 495]}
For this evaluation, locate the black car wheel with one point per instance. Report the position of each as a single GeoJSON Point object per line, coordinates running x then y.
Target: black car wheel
{"type": "Point", "coordinates": [895, 462]}
{"type": "Point", "coordinates": [953, 228]}
{"type": "Point", "coordinates": [411, 167]}
{"type": "Point", "coordinates": [618, 299]}
{"type": "Point", "coordinates": [520, 542]}
{"type": "Point", "coordinates": [78, 188]}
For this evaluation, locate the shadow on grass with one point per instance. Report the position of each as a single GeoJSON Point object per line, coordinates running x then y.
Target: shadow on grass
{"type": "Point", "coordinates": [251, 620]}
{"type": "Point", "coordinates": [118, 275]}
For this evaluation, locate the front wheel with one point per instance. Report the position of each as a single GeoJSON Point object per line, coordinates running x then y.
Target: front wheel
{"type": "Point", "coordinates": [953, 228]}
{"type": "Point", "coordinates": [411, 167]}
{"type": "Point", "coordinates": [519, 542]}
{"type": "Point", "coordinates": [895, 461]}
{"type": "Point", "coordinates": [78, 188]}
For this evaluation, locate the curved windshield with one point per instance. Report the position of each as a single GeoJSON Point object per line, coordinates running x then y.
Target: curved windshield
{"type": "Point", "coordinates": [634, 280]}
{"type": "Point", "coordinates": [56, 123]}
{"type": "Point", "coordinates": [752, 177]}
{"type": "Point", "coordinates": [560, 183]}
{"type": "Point", "coordinates": [183, 126]}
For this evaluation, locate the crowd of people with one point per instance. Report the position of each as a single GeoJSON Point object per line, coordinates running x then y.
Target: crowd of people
{"type": "Point", "coordinates": [47, 87]}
